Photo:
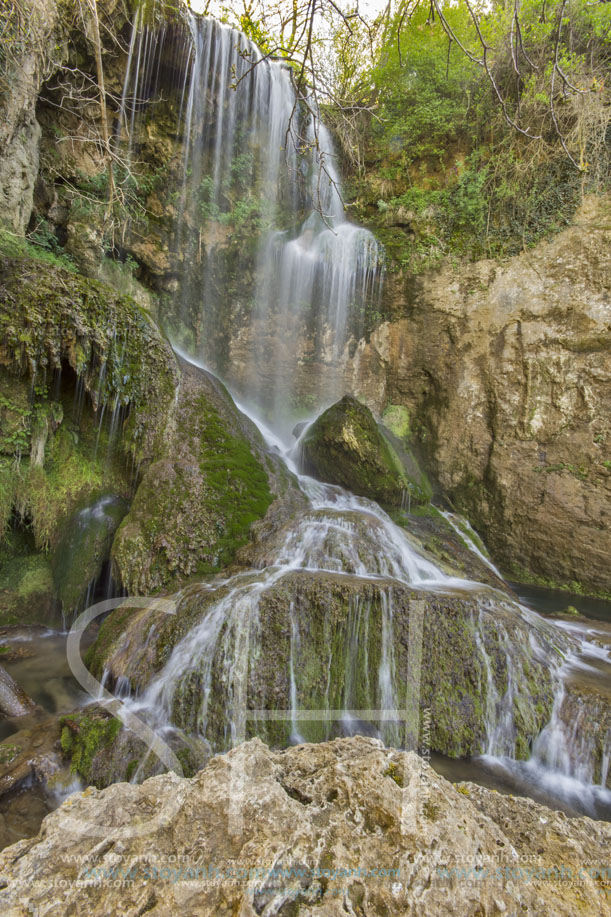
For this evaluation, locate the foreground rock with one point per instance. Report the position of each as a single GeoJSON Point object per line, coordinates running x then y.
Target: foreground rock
{"type": "Point", "coordinates": [345, 446]}
{"type": "Point", "coordinates": [343, 827]}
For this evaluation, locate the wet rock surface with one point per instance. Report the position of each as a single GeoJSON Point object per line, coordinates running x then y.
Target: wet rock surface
{"type": "Point", "coordinates": [328, 630]}
{"type": "Point", "coordinates": [348, 826]}
{"type": "Point", "coordinates": [345, 446]}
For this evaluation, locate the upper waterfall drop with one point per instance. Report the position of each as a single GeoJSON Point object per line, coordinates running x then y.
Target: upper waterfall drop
{"type": "Point", "coordinates": [274, 278]}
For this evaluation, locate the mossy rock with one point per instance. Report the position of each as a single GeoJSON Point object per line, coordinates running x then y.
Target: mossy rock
{"type": "Point", "coordinates": [332, 627]}
{"type": "Point", "coordinates": [51, 317]}
{"type": "Point", "coordinates": [102, 751]}
{"type": "Point", "coordinates": [198, 501]}
{"type": "Point", "coordinates": [396, 419]}
{"type": "Point", "coordinates": [27, 593]}
{"type": "Point", "coordinates": [346, 446]}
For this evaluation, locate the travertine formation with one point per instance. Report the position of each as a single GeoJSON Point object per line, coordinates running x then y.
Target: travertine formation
{"type": "Point", "coordinates": [345, 827]}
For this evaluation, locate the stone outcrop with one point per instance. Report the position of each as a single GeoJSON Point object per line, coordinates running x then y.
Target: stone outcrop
{"type": "Point", "coordinates": [198, 500]}
{"type": "Point", "coordinates": [328, 631]}
{"type": "Point", "coordinates": [342, 827]}
{"type": "Point", "coordinates": [29, 39]}
{"type": "Point", "coordinates": [345, 446]}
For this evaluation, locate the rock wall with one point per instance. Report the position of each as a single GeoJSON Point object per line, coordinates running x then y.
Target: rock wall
{"type": "Point", "coordinates": [30, 40]}
{"type": "Point", "coordinates": [505, 369]}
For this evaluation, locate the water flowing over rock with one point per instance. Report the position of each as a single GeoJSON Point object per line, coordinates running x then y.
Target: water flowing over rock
{"type": "Point", "coordinates": [256, 164]}
{"type": "Point", "coordinates": [340, 827]}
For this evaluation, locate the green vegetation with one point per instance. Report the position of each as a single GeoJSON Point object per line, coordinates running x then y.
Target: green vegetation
{"type": "Point", "coordinates": [394, 773]}
{"type": "Point", "coordinates": [441, 170]}
{"type": "Point", "coordinates": [38, 246]}
{"type": "Point", "coordinates": [78, 361]}
{"type": "Point", "coordinates": [197, 501]}
{"type": "Point", "coordinates": [84, 736]}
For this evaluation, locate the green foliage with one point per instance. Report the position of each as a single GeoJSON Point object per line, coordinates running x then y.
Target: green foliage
{"type": "Point", "coordinates": [257, 33]}
{"type": "Point", "coordinates": [423, 91]}
{"type": "Point", "coordinates": [35, 246]}
{"type": "Point", "coordinates": [444, 171]}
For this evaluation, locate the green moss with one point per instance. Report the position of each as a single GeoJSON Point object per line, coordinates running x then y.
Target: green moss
{"type": "Point", "coordinates": [112, 627]}
{"type": "Point", "coordinates": [12, 246]}
{"type": "Point", "coordinates": [82, 738]}
{"type": "Point", "coordinates": [239, 487]}
{"type": "Point", "coordinates": [49, 315]}
{"type": "Point", "coordinates": [84, 546]}
{"type": "Point", "coordinates": [197, 502]}
{"type": "Point", "coordinates": [26, 589]}
{"type": "Point", "coordinates": [396, 418]}
{"type": "Point", "coordinates": [394, 773]}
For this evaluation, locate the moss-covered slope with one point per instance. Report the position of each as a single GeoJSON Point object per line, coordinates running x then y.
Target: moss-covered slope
{"type": "Point", "coordinates": [199, 498]}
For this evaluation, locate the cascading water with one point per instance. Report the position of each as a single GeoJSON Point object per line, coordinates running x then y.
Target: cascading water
{"type": "Point", "coordinates": [304, 281]}
{"type": "Point", "coordinates": [273, 277]}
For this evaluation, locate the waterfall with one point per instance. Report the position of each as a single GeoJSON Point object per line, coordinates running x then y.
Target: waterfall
{"type": "Point", "coordinates": [273, 277]}
{"type": "Point", "coordinates": [265, 250]}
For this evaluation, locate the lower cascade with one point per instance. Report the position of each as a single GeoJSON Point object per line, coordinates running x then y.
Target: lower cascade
{"type": "Point", "coordinates": [343, 625]}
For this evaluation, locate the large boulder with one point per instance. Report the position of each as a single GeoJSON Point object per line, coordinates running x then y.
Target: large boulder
{"type": "Point", "coordinates": [346, 446]}
{"type": "Point", "coordinates": [342, 827]}
{"type": "Point", "coordinates": [319, 641]}
{"type": "Point", "coordinates": [198, 500]}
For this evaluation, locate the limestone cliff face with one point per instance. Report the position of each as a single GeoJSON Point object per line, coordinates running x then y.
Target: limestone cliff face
{"type": "Point", "coordinates": [505, 369]}
{"type": "Point", "coordinates": [345, 827]}
{"type": "Point", "coordinates": [28, 37]}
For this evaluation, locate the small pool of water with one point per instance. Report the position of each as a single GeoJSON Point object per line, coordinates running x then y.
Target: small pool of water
{"type": "Point", "coordinates": [36, 658]}
{"type": "Point", "coordinates": [555, 601]}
